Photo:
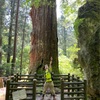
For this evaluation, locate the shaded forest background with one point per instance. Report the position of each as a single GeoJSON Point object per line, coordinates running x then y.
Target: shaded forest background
{"type": "Point", "coordinates": [67, 42]}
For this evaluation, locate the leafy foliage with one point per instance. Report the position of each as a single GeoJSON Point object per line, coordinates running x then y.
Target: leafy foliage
{"type": "Point", "coordinates": [37, 3]}
{"type": "Point", "coordinates": [68, 63]}
{"type": "Point", "coordinates": [23, 13]}
{"type": "Point", "coordinates": [70, 9]}
{"type": "Point", "coordinates": [65, 67]}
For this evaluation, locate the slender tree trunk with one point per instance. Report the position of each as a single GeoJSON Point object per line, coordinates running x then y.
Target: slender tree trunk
{"type": "Point", "coordinates": [64, 34]}
{"type": "Point", "coordinates": [0, 54]}
{"type": "Point", "coordinates": [64, 41]}
{"type": "Point", "coordinates": [10, 34]}
{"type": "Point", "coordinates": [1, 31]}
{"type": "Point", "coordinates": [1, 26]}
{"type": "Point", "coordinates": [44, 41]}
{"type": "Point", "coordinates": [23, 38]}
{"type": "Point", "coordinates": [0, 48]}
{"type": "Point", "coordinates": [15, 40]}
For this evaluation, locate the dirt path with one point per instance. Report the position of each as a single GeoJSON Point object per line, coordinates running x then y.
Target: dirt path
{"type": "Point", "coordinates": [48, 97]}
{"type": "Point", "coordinates": [2, 93]}
{"type": "Point", "coordinates": [38, 97]}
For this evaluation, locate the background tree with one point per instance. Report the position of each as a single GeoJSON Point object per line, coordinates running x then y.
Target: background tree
{"type": "Point", "coordinates": [9, 51]}
{"type": "Point", "coordinates": [23, 39]}
{"type": "Point", "coordinates": [62, 35]}
{"type": "Point", "coordinates": [23, 43]}
{"type": "Point", "coordinates": [9, 33]}
{"type": "Point", "coordinates": [44, 35]}
{"type": "Point", "coordinates": [2, 3]}
{"type": "Point", "coordinates": [15, 39]}
{"type": "Point", "coordinates": [67, 41]}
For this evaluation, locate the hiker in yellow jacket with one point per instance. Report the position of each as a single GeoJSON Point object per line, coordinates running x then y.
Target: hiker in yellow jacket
{"type": "Point", "coordinates": [48, 81]}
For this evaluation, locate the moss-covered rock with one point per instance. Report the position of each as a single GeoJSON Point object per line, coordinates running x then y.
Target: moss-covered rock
{"type": "Point", "coordinates": [89, 43]}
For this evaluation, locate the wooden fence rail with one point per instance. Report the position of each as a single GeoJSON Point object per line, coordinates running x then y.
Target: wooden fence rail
{"type": "Point", "coordinates": [30, 88]}
{"type": "Point", "coordinates": [18, 77]}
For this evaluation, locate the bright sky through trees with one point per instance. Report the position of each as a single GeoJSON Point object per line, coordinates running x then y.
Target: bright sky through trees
{"type": "Point", "coordinates": [58, 8]}
{"type": "Point", "coordinates": [58, 3]}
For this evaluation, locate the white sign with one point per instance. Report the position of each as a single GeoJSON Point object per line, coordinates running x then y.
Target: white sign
{"type": "Point", "coordinates": [20, 94]}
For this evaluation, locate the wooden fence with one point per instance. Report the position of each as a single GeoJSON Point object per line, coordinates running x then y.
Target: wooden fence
{"type": "Point", "coordinates": [30, 88]}
{"type": "Point", "coordinates": [69, 86]}
{"type": "Point", "coordinates": [73, 89]}
{"type": "Point", "coordinates": [41, 80]}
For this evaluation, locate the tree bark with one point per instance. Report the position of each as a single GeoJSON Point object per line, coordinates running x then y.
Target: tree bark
{"type": "Point", "coordinates": [44, 41]}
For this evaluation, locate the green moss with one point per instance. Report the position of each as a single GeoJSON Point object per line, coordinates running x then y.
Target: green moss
{"type": "Point", "coordinates": [76, 26]}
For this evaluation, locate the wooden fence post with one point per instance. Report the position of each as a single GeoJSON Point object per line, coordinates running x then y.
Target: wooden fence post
{"type": "Point", "coordinates": [78, 80]}
{"type": "Point", "coordinates": [14, 78]}
{"type": "Point", "coordinates": [85, 90]}
{"type": "Point", "coordinates": [17, 77]}
{"type": "Point", "coordinates": [7, 89]}
{"type": "Point", "coordinates": [35, 74]}
{"type": "Point", "coordinates": [34, 89]}
{"type": "Point", "coordinates": [62, 89]}
{"type": "Point", "coordinates": [69, 81]}
{"type": "Point", "coordinates": [68, 77]}
{"type": "Point", "coordinates": [73, 85]}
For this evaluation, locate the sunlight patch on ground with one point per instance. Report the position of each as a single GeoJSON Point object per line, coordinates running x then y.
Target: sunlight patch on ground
{"type": "Point", "coordinates": [2, 93]}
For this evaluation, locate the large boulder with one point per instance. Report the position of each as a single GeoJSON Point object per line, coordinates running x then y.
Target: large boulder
{"type": "Point", "coordinates": [88, 34]}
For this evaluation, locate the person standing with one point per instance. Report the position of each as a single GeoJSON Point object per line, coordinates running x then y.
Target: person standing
{"type": "Point", "coordinates": [48, 81]}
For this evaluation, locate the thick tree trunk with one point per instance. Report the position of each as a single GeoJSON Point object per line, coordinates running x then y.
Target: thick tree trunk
{"type": "Point", "coordinates": [89, 43]}
{"type": "Point", "coordinates": [44, 36]}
